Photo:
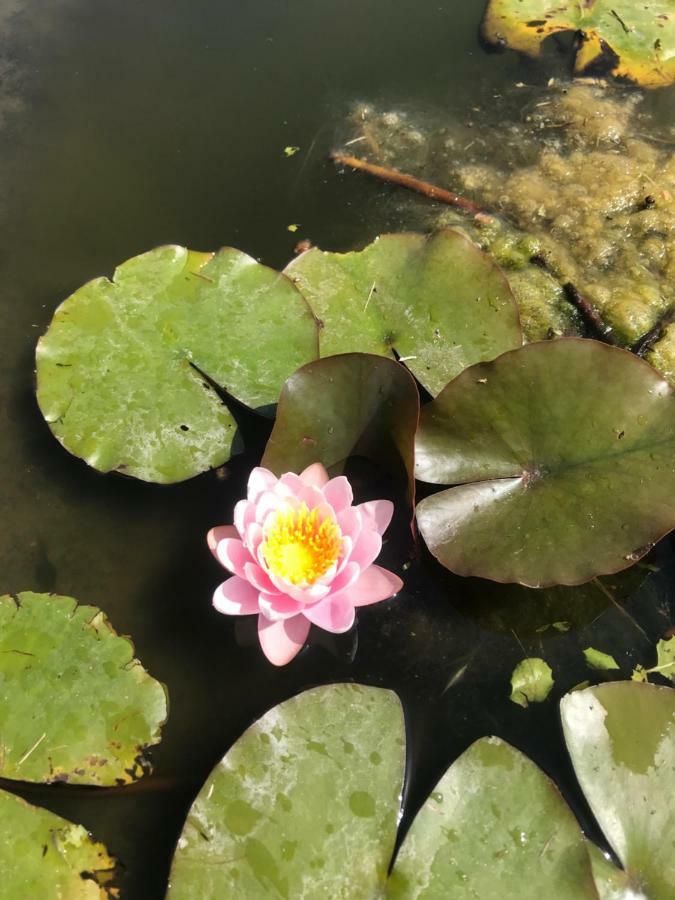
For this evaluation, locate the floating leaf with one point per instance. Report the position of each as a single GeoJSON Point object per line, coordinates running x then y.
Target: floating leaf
{"type": "Point", "coordinates": [438, 302]}
{"type": "Point", "coordinates": [621, 737]}
{"type": "Point", "coordinates": [531, 682]}
{"type": "Point", "coordinates": [494, 827]}
{"type": "Point", "coordinates": [74, 703]}
{"type": "Point", "coordinates": [600, 661]}
{"type": "Point", "coordinates": [633, 40]}
{"type": "Point", "coordinates": [356, 404]}
{"type": "Point", "coordinates": [611, 882]}
{"type": "Point", "coordinates": [304, 804]}
{"type": "Point", "coordinates": [119, 369]}
{"type": "Point", "coordinates": [45, 856]}
{"type": "Point", "coordinates": [564, 452]}
{"type": "Point", "coordinates": [665, 659]}
{"type": "Point", "coordinates": [639, 674]}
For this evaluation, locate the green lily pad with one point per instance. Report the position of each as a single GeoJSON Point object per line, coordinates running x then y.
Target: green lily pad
{"type": "Point", "coordinates": [119, 371]}
{"type": "Point", "coordinates": [304, 804]}
{"type": "Point", "coordinates": [564, 453]}
{"type": "Point", "coordinates": [531, 682]}
{"type": "Point", "coordinates": [665, 659]}
{"type": "Point", "coordinates": [45, 856]}
{"type": "Point", "coordinates": [621, 738]}
{"type": "Point", "coordinates": [611, 882]}
{"type": "Point", "coordinates": [74, 703]}
{"type": "Point", "coordinates": [355, 404]}
{"type": "Point", "coordinates": [437, 302]}
{"type": "Point", "coordinates": [494, 827]}
{"type": "Point", "coordinates": [632, 40]}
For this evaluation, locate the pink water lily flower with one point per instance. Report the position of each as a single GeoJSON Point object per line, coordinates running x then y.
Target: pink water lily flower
{"type": "Point", "coordinates": [301, 554]}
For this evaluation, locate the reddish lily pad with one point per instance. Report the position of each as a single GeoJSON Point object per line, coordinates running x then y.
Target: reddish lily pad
{"type": "Point", "coordinates": [564, 456]}
{"type": "Point", "coordinates": [439, 303]}
{"type": "Point", "coordinates": [355, 404]}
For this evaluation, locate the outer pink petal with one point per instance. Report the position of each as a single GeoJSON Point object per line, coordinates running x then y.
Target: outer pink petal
{"type": "Point", "coordinates": [220, 533]}
{"type": "Point", "coordinates": [367, 549]}
{"type": "Point", "coordinates": [350, 522]}
{"type": "Point", "coordinates": [258, 578]}
{"type": "Point", "coordinates": [334, 614]}
{"type": "Point", "coordinates": [346, 577]}
{"type": "Point", "coordinates": [236, 597]}
{"type": "Point", "coordinates": [338, 492]}
{"type": "Point", "coordinates": [379, 512]}
{"type": "Point", "coordinates": [315, 475]}
{"type": "Point", "coordinates": [277, 606]}
{"type": "Point", "coordinates": [260, 480]}
{"type": "Point", "coordinates": [281, 641]}
{"type": "Point", "coordinates": [232, 554]}
{"type": "Point", "coordinates": [372, 586]}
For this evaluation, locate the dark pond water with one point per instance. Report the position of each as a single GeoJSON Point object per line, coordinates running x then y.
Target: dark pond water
{"type": "Point", "coordinates": [128, 125]}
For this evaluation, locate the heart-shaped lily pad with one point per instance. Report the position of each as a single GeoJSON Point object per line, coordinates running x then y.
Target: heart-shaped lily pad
{"type": "Point", "coordinates": [44, 856]}
{"type": "Point", "coordinates": [564, 453]}
{"type": "Point", "coordinates": [304, 804]}
{"type": "Point", "coordinates": [621, 737]}
{"type": "Point", "coordinates": [119, 371]}
{"type": "Point", "coordinates": [355, 404]}
{"type": "Point", "coordinates": [439, 302]}
{"type": "Point", "coordinates": [631, 39]}
{"type": "Point", "coordinates": [494, 827]}
{"type": "Point", "coordinates": [74, 703]}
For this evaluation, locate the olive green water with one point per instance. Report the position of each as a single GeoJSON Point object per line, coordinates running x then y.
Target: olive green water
{"type": "Point", "coordinates": [125, 126]}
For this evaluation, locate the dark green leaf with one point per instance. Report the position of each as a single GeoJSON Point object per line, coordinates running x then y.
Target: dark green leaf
{"type": "Point", "coordinates": [355, 404]}
{"type": "Point", "coordinates": [565, 453]}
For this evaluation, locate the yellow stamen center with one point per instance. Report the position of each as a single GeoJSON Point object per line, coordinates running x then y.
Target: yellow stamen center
{"type": "Point", "coordinates": [300, 546]}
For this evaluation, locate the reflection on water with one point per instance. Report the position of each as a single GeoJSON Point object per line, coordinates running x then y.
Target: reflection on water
{"type": "Point", "coordinates": [125, 126]}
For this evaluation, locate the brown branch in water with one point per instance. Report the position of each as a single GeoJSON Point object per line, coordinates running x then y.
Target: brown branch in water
{"type": "Point", "coordinates": [589, 314]}
{"type": "Point", "coordinates": [393, 176]}
{"type": "Point", "coordinates": [647, 341]}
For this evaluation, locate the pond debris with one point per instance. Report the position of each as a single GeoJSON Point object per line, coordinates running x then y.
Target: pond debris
{"type": "Point", "coordinates": [581, 183]}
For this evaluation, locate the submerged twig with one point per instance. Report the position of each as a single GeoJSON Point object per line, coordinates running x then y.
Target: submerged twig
{"type": "Point", "coordinates": [647, 341]}
{"type": "Point", "coordinates": [393, 176]}
{"type": "Point", "coordinates": [589, 314]}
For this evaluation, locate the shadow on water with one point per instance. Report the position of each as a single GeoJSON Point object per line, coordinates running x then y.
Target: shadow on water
{"type": "Point", "coordinates": [126, 126]}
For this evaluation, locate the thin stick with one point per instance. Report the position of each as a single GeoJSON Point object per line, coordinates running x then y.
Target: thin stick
{"type": "Point", "coordinates": [393, 176]}
{"type": "Point", "coordinates": [589, 314]}
{"type": "Point", "coordinates": [647, 341]}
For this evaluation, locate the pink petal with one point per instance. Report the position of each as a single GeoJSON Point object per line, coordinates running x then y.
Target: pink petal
{"type": "Point", "coordinates": [345, 578]}
{"type": "Point", "coordinates": [278, 606]}
{"type": "Point", "coordinates": [232, 554]}
{"type": "Point", "coordinates": [367, 549]}
{"type": "Point", "coordinates": [334, 614]}
{"type": "Point", "coordinates": [305, 493]}
{"type": "Point", "coordinates": [253, 539]}
{"type": "Point", "coordinates": [372, 586]}
{"type": "Point", "coordinates": [315, 475]}
{"type": "Point", "coordinates": [260, 480]}
{"type": "Point", "coordinates": [379, 512]}
{"type": "Point", "coordinates": [309, 594]}
{"type": "Point", "coordinates": [350, 522]}
{"type": "Point", "coordinates": [244, 513]}
{"type": "Point", "coordinates": [258, 578]}
{"type": "Point", "coordinates": [220, 533]}
{"type": "Point", "coordinates": [281, 641]}
{"type": "Point", "coordinates": [236, 597]}
{"type": "Point", "coordinates": [338, 492]}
